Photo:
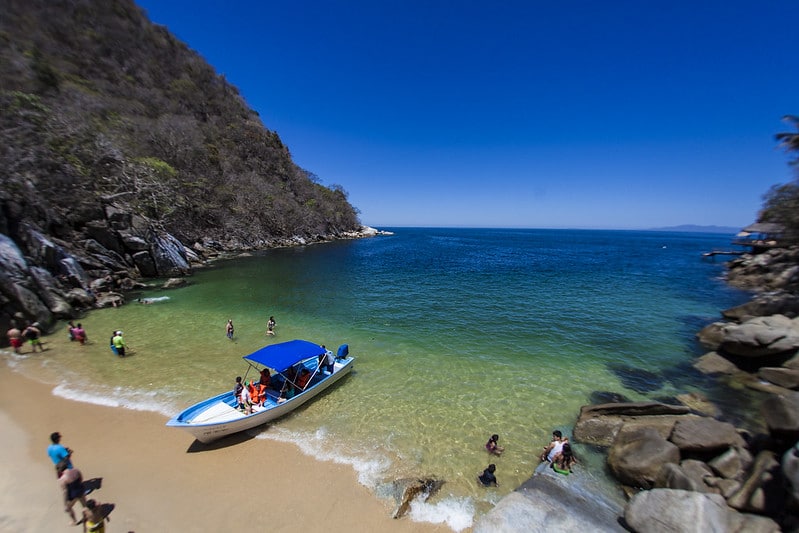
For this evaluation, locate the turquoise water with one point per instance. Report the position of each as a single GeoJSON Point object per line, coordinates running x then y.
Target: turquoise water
{"type": "Point", "coordinates": [458, 334]}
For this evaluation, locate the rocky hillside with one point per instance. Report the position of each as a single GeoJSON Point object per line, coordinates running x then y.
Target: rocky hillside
{"type": "Point", "coordinates": [123, 154]}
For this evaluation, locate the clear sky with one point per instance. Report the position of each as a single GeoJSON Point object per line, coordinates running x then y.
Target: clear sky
{"type": "Point", "coordinates": [581, 114]}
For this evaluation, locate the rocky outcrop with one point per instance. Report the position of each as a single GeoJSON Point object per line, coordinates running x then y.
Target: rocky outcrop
{"type": "Point", "coordinates": [552, 502]}
{"type": "Point", "coordinates": [775, 269]}
{"type": "Point", "coordinates": [668, 510]}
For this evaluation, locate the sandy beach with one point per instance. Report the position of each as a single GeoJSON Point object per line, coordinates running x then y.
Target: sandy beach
{"type": "Point", "coordinates": [160, 479]}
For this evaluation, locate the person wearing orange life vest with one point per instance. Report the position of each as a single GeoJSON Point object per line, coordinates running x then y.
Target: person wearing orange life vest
{"type": "Point", "coordinates": [257, 392]}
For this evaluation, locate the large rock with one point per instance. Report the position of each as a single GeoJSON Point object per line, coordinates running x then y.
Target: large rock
{"type": "Point", "coordinates": [732, 464]}
{"type": "Point", "coordinates": [637, 456]}
{"type": "Point", "coordinates": [790, 471]}
{"type": "Point", "coordinates": [670, 511]}
{"type": "Point", "coordinates": [762, 491]}
{"type": "Point", "coordinates": [600, 424]}
{"type": "Point", "coordinates": [784, 377]}
{"type": "Point", "coordinates": [408, 489]}
{"type": "Point", "coordinates": [705, 435]}
{"type": "Point", "coordinates": [713, 363]}
{"type": "Point", "coordinates": [672, 476]}
{"type": "Point", "coordinates": [772, 303]}
{"type": "Point", "coordinates": [761, 336]}
{"type": "Point", "coordinates": [781, 414]}
{"type": "Point", "coordinates": [169, 256]}
{"type": "Point", "coordinates": [550, 502]}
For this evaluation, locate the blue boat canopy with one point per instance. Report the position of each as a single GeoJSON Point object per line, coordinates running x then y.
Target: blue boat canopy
{"type": "Point", "coordinates": [282, 355]}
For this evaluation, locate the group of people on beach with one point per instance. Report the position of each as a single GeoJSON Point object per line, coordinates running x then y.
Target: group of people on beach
{"type": "Point", "coordinates": [75, 489]}
{"type": "Point", "coordinates": [230, 328]}
{"type": "Point", "coordinates": [558, 453]}
{"type": "Point", "coordinates": [31, 333]}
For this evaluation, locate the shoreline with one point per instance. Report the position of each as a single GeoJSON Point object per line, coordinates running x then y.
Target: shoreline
{"type": "Point", "coordinates": [161, 479]}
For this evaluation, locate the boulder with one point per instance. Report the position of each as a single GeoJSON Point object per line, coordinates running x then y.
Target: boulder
{"type": "Point", "coordinates": [732, 464]}
{"type": "Point", "coordinates": [713, 363]}
{"type": "Point", "coordinates": [790, 471]}
{"type": "Point", "coordinates": [711, 335]}
{"type": "Point", "coordinates": [50, 294]}
{"type": "Point", "coordinates": [698, 403]}
{"type": "Point", "coordinates": [784, 377]}
{"type": "Point", "coordinates": [668, 510]}
{"type": "Point", "coordinates": [173, 283]}
{"type": "Point", "coordinates": [765, 304]}
{"type": "Point", "coordinates": [408, 489]}
{"type": "Point", "coordinates": [781, 414]}
{"type": "Point", "coordinates": [704, 435]}
{"type": "Point", "coordinates": [672, 476]}
{"type": "Point", "coordinates": [600, 424]}
{"type": "Point", "coordinates": [537, 506]}
{"type": "Point", "coordinates": [760, 336]}
{"type": "Point", "coordinates": [762, 491]}
{"type": "Point", "coordinates": [169, 256]}
{"type": "Point", "coordinates": [637, 455]}
{"type": "Point", "coordinates": [145, 264]}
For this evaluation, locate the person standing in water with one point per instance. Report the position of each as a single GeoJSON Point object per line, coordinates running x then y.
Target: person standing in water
{"type": "Point", "coordinates": [119, 343]}
{"type": "Point", "coordinates": [270, 326]}
{"type": "Point", "coordinates": [229, 329]}
{"type": "Point", "coordinates": [15, 337]}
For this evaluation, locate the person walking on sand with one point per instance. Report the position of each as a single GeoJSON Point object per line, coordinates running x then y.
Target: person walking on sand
{"type": "Point", "coordinates": [59, 453]}
{"type": "Point", "coordinates": [71, 482]}
{"type": "Point", "coordinates": [119, 343]}
{"type": "Point", "coordinates": [32, 333]}
{"type": "Point", "coordinates": [94, 518]}
{"type": "Point", "coordinates": [14, 337]}
{"type": "Point", "coordinates": [270, 326]}
{"type": "Point", "coordinates": [229, 329]}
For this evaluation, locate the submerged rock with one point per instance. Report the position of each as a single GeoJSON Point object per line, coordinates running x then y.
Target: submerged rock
{"type": "Point", "coordinates": [408, 489]}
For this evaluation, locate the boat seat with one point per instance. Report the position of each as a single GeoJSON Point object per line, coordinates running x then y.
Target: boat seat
{"type": "Point", "coordinates": [218, 412]}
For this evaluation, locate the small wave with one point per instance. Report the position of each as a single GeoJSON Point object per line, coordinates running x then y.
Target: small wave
{"type": "Point", "coordinates": [369, 470]}
{"type": "Point", "coordinates": [119, 397]}
{"type": "Point", "coordinates": [457, 513]}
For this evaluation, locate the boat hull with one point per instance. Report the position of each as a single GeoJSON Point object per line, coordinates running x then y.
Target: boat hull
{"type": "Point", "coordinates": [217, 417]}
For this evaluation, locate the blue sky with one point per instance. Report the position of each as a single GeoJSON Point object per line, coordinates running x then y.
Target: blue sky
{"type": "Point", "coordinates": [582, 114]}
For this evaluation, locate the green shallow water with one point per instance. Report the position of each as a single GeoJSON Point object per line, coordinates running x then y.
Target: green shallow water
{"type": "Point", "coordinates": [457, 334]}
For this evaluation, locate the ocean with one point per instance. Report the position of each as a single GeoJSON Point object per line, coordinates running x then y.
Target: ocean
{"type": "Point", "coordinates": [457, 334]}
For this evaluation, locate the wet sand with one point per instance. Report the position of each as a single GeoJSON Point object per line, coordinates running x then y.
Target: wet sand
{"type": "Point", "coordinates": [161, 479]}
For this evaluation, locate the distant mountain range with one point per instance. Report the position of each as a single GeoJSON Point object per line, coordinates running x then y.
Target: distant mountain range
{"type": "Point", "coordinates": [699, 229]}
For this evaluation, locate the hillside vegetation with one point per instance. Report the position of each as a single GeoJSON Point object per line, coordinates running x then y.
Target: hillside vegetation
{"type": "Point", "coordinates": [99, 105]}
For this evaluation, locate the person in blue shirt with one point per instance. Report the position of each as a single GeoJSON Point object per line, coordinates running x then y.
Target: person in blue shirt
{"type": "Point", "coordinates": [58, 452]}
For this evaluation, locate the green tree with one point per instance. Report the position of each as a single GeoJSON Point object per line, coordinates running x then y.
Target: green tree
{"type": "Point", "coordinates": [781, 202]}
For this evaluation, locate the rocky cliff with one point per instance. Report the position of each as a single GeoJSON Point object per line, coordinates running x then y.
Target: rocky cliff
{"type": "Point", "coordinates": [124, 155]}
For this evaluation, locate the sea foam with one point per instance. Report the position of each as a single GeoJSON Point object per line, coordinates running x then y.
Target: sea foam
{"type": "Point", "coordinates": [119, 397]}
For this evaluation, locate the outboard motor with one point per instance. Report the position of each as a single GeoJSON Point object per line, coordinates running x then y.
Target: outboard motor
{"type": "Point", "coordinates": [343, 351]}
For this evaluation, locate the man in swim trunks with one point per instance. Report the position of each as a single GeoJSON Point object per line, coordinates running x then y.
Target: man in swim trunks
{"type": "Point", "coordinates": [71, 482]}
{"type": "Point", "coordinates": [15, 338]}
{"type": "Point", "coordinates": [32, 333]}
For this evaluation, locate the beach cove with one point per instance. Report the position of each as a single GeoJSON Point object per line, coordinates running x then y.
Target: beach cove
{"type": "Point", "coordinates": [458, 334]}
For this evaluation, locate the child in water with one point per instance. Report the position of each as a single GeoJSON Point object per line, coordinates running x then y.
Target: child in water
{"type": "Point", "coordinates": [493, 447]}
{"type": "Point", "coordinates": [487, 478]}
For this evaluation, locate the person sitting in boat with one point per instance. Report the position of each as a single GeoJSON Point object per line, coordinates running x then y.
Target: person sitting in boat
{"type": "Point", "coordinates": [266, 377]}
{"type": "Point", "coordinates": [565, 459]}
{"type": "Point", "coordinates": [305, 377]}
{"type": "Point", "coordinates": [245, 400]}
{"type": "Point", "coordinates": [257, 393]}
